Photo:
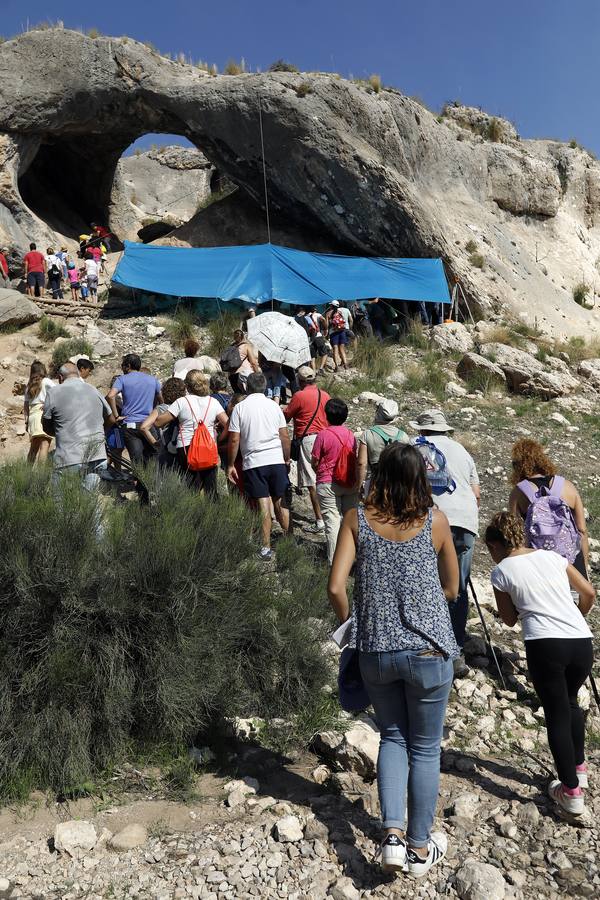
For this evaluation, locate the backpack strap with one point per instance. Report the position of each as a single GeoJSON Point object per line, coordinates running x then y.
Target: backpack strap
{"type": "Point", "coordinates": [528, 489]}
{"type": "Point", "coordinates": [557, 485]}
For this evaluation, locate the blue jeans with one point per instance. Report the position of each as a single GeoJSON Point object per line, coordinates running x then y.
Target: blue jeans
{"type": "Point", "coordinates": [464, 543]}
{"type": "Point", "coordinates": [90, 473]}
{"type": "Point", "coordinates": [409, 693]}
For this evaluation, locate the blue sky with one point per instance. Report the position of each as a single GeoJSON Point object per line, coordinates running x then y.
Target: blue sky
{"type": "Point", "coordinates": [533, 61]}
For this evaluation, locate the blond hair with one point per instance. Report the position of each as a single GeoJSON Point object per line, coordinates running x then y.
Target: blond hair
{"type": "Point", "coordinates": [197, 383]}
{"type": "Point", "coordinates": [506, 529]}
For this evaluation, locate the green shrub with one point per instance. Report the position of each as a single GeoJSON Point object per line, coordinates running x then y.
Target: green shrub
{"type": "Point", "coordinates": [373, 357]}
{"type": "Point", "coordinates": [49, 329]}
{"type": "Point", "coordinates": [493, 131]}
{"type": "Point", "coordinates": [573, 144]}
{"type": "Point", "coordinates": [66, 349]}
{"type": "Point", "coordinates": [580, 293]}
{"type": "Point", "coordinates": [280, 65]}
{"type": "Point", "coordinates": [220, 332]}
{"type": "Point", "coordinates": [375, 82]}
{"type": "Point", "coordinates": [477, 260]}
{"type": "Point", "coordinates": [416, 336]}
{"type": "Point", "coordinates": [427, 376]}
{"type": "Point", "coordinates": [486, 382]}
{"type": "Point", "coordinates": [471, 246]}
{"type": "Point", "coordinates": [181, 326]}
{"type": "Point", "coordinates": [303, 89]}
{"type": "Point", "coordinates": [143, 636]}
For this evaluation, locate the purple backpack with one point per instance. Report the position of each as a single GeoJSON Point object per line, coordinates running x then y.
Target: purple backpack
{"type": "Point", "coordinates": [549, 523]}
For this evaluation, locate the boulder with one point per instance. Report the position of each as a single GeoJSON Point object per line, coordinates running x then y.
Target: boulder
{"type": "Point", "coordinates": [102, 343]}
{"type": "Point", "coordinates": [452, 338]}
{"type": "Point", "coordinates": [360, 747]}
{"type": "Point", "coordinates": [288, 830]}
{"type": "Point", "coordinates": [453, 389]}
{"type": "Point", "coordinates": [590, 370]}
{"type": "Point", "coordinates": [479, 881]}
{"type": "Point", "coordinates": [130, 836]}
{"type": "Point", "coordinates": [473, 363]}
{"type": "Point", "coordinates": [344, 889]}
{"type": "Point", "coordinates": [75, 837]}
{"type": "Point", "coordinates": [17, 310]}
{"type": "Point", "coordinates": [5, 888]}
{"type": "Point", "coordinates": [526, 375]}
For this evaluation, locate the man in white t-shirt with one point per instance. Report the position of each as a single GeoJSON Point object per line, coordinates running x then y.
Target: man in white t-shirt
{"type": "Point", "coordinates": [92, 270]}
{"type": "Point", "coordinates": [461, 508]}
{"type": "Point", "coordinates": [258, 428]}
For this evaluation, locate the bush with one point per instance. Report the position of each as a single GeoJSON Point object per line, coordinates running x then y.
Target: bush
{"type": "Point", "coordinates": [577, 349]}
{"type": "Point", "coordinates": [493, 131]}
{"type": "Point", "coordinates": [375, 82]}
{"type": "Point", "coordinates": [303, 89]}
{"type": "Point", "coordinates": [106, 646]}
{"type": "Point", "coordinates": [181, 326]}
{"type": "Point", "coordinates": [477, 260]}
{"type": "Point", "coordinates": [220, 332]}
{"type": "Point", "coordinates": [49, 329]}
{"type": "Point", "coordinates": [471, 246]}
{"type": "Point", "coordinates": [280, 65]}
{"type": "Point", "coordinates": [580, 293]}
{"type": "Point", "coordinates": [234, 68]}
{"type": "Point", "coordinates": [416, 336]}
{"type": "Point", "coordinates": [486, 382]}
{"type": "Point", "coordinates": [93, 33]}
{"type": "Point", "coordinates": [66, 349]}
{"type": "Point", "coordinates": [374, 358]}
{"type": "Point", "coordinates": [428, 376]}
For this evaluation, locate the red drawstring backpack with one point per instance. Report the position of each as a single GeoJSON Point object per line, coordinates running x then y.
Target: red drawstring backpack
{"type": "Point", "coordinates": [344, 471]}
{"type": "Point", "coordinates": [202, 452]}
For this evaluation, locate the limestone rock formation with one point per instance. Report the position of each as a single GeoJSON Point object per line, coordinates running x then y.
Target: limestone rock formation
{"type": "Point", "coordinates": [163, 189]}
{"type": "Point", "coordinates": [356, 170]}
{"type": "Point", "coordinates": [17, 310]}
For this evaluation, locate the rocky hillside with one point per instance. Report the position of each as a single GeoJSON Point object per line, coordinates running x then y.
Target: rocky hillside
{"type": "Point", "coordinates": [260, 823]}
{"type": "Point", "coordinates": [359, 166]}
{"type": "Point", "coordinates": [159, 190]}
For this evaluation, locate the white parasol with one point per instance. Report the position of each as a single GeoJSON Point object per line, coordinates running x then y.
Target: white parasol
{"type": "Point", "coordinates": [280, 339]}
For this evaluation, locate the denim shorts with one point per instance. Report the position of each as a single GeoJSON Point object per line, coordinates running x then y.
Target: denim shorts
{"type": "Point", "coordinates": [338, 338]}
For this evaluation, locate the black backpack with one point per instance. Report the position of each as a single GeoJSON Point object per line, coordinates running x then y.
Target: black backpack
{"type": "Point", "coordinates": [231, 358]}
{"type": "Point", "coordinates": [54, 271]}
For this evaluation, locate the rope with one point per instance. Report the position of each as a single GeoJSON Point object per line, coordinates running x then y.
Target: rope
{"type": "Point", "coordinates": [262, 145]}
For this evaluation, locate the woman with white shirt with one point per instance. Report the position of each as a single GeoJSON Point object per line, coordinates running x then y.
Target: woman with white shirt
{"type": "Point", "coordinates": [534, 586]}
{"type": "Point", "coordinates": [35, 397]}
{"type": "Point", "coordinates": [197, 406]}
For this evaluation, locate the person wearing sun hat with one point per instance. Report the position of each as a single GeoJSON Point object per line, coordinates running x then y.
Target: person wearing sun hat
{"type": "Point", "coordinates": [461, 508]}
{"type": "Point", "coordinates": [375, 439]}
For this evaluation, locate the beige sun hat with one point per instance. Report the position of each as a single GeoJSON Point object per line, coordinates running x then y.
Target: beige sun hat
{"type": "Point", "coordinates": [431, 420]}
{"type": "Point", "coordinates": [306, 373]}
{"type": "Point", "coordinates": [386, 411]}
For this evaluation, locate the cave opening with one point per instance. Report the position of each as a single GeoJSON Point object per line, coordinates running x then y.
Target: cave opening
{"type": "Point", "coordinates": [141, 186]}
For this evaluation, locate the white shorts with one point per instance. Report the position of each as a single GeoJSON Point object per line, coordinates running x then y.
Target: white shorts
{"type": "Point", "coordinates": [307, 476]}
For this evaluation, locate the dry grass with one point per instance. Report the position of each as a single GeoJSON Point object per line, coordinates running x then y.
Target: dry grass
{"type": "Point", "coordinates": [375, 82]}
{"type": "Point", "coordinates": [577, 349]}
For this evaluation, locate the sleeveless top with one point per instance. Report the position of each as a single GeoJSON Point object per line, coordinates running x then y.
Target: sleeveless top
{"type": "Point", "coordinates": [398, 602]}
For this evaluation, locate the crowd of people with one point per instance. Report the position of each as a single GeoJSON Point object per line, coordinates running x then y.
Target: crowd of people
{"type": "Point", "coordinates": [58, 271]}
{"type": "Point", "coordinates": [402, 512]}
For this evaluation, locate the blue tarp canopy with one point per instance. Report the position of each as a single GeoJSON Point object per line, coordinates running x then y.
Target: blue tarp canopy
{"type": "Point", "coordinates": [257, 274]}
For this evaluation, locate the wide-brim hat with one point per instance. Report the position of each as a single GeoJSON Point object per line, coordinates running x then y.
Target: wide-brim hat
{"type": "Point", "coordinates": [387, 410]}
{"type": "Point", "coordinates": [431, 420]}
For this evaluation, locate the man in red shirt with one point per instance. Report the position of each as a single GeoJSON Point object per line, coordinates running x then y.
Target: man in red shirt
{"type": "Point", "coordinates": [4, 264]}
{"type": "Point", "coordinates": [35, 271]}
{"type": "Point", "coordinates": [307, 409]}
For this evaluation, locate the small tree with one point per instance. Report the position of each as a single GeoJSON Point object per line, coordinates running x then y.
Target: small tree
{"type": "Point", "coordinates": [280, 65]}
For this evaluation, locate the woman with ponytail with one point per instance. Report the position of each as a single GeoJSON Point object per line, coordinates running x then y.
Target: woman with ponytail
{"type": "Point", "coordinates": [35, 397]}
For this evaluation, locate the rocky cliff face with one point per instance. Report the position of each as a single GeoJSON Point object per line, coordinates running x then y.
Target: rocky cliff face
{"type": "Point", "coordinates": [516, 221]}
{"type": "Point", "coordinates": [160, 190]}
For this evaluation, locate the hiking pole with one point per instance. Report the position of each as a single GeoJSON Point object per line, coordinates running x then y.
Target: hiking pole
{"type": "Point", "coordinates": [487, 634]}
{"type": "Point", "coordinates": [595, 691]}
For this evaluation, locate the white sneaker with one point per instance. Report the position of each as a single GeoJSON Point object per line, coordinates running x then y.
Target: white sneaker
{"type": "Point", "coordinates": [575, 805]}
{"type": "Point", "coordinates": [437, 849]}
{"type": "Point", "coordinates": [265, 554]}
{"type": "Point", "coordinates": [316, 527]}
{"type": "Point", "coordinates": [582, 777]}
{"type": "Point", "coordinates": [393, 854]}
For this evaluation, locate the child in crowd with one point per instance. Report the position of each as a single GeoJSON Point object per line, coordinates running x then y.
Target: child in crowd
{"type": "Point", "coordinates": [334, 499]}
{"type": "Point", "coordinates": [534, 586]}
{"type": "Point", "coordinates": [73, 277]}
{"type": "Point", "coordinates": [83, 283]}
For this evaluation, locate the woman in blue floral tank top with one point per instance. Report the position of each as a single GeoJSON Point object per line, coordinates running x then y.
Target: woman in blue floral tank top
{"type": "Point", "coordinates": [406, 572]}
